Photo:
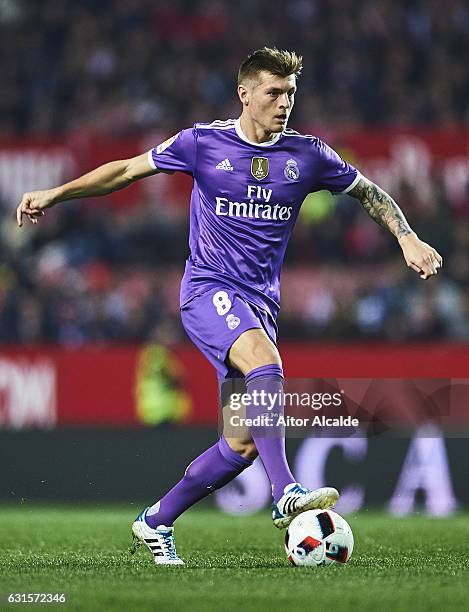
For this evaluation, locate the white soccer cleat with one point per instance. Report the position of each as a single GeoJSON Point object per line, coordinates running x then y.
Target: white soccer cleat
{"type": "Point", "coordinates": [159, 541]}
{"type": "Point", "coordinates": [296, 499]}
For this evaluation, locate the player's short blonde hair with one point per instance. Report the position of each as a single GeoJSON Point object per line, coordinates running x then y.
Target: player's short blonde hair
{"type": "Point", "coordinates": [270, 59]}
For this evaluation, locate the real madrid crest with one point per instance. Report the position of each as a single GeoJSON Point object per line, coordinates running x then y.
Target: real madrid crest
{"type": "Point", "coordinates": [259, 167]}
{"type": "Point", "coordinates": [291, 170]}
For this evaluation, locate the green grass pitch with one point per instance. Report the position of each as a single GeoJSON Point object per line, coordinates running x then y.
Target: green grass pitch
{"type": "Point", "coordinates": [232, 563]}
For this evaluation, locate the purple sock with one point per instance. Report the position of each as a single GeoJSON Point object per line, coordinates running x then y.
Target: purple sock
{"type": "Point", "coordinates": [211, 470]}
{"type": "Point", "coordinates": [270, 442]}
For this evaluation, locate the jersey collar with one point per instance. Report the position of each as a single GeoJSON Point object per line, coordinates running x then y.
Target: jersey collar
{"type": "Point", "coordinates": [243, 136]}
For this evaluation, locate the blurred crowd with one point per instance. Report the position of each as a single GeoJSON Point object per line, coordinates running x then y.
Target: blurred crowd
{"type": "Point", "coordinates": [127, 65]}
{"type": "Point", "coordinates": [96, 273]}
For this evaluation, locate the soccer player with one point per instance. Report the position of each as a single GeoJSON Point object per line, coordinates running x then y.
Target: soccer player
{"type": "Point", "coordinates": [250, 177]}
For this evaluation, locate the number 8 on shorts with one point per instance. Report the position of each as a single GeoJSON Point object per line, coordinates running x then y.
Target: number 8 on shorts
{"type": "Point", "coordinates": [222, 302]}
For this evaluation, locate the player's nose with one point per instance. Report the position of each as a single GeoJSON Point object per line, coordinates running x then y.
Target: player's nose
{"type": "Point", "coordinates": [284, 102]}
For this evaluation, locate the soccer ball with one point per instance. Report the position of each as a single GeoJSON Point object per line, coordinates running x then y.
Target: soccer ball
{"type": "Point", "coordinates": [318, 537]}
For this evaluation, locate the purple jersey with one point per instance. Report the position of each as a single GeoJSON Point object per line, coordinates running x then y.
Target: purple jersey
{"type": "Point", "coordinates": [245, 200]}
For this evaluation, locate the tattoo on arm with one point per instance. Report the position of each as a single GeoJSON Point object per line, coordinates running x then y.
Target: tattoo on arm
{"type": "Point", "coordinates": [381, 207]}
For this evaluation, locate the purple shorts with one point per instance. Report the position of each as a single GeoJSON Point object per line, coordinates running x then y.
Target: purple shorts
{"type": "Point", "coordinates": [214, 319]}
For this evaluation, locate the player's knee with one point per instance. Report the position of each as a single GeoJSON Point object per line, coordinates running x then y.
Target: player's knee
{"type": "Point", "coordinates": [254, 353]}
{"type": "Point", "coordinates": [264, 353]}
{"type": "Point", "coordinates": [249, 451]}
{"type": "Point", "coordinates": [253, 349]}
{"type": "Point", "coordinates": [244, 447]}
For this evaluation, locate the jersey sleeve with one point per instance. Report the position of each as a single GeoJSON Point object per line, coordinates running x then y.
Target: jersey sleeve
{"type": "Point", "coordinates": [176, 153]}
{"type": "Point", "coordinates": [334, 173]}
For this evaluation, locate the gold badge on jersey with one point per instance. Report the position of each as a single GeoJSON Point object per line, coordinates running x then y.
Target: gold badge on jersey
{"type": "Point", "coordinates": [259, 167]}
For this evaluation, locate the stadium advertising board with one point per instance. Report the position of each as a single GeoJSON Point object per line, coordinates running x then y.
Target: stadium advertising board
{"type": "Point", "coordinates": [47, 387]}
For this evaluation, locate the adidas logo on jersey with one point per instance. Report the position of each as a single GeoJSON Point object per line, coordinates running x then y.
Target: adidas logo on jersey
{"type": "Point", "coordinates": [225, 165]}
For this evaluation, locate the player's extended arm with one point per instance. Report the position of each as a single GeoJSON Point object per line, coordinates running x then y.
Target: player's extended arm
{"type": "Point", "coordinates": [418, 255]}
{"type": "Point", "coordinates": [101, 181]}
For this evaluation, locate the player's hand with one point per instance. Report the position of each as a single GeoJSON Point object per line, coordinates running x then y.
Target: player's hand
{"type": "Point", "coordinates": [420, 256]}
{"type": "Point", "coordinates": [33, 204]}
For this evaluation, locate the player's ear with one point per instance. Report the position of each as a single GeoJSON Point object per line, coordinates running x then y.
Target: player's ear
{"type": "Point", "coordinates": [243, 95]}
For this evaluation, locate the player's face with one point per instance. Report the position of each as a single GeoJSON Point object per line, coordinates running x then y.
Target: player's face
{"type": "Point", "coordinates": [270, 100]}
